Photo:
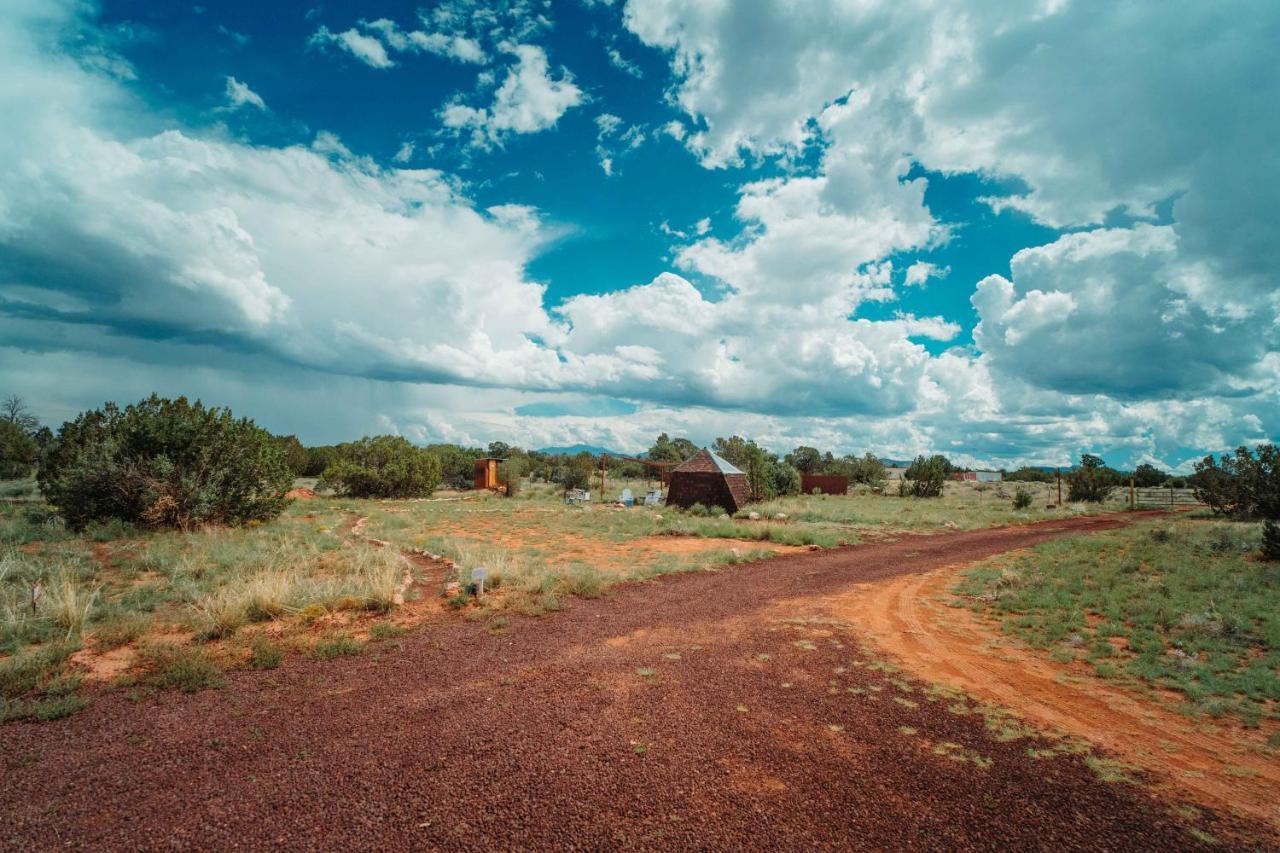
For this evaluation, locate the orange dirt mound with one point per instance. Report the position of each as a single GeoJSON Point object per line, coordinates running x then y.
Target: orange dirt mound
{"type": "Point", "coordinates": [303, 494]}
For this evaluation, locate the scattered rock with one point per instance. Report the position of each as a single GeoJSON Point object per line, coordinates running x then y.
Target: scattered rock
{"type": "Point", "coordinates": [302, 494]}
{"type": "Point", "coordinates": [754, 516]}
{"type": "Point", "coordinates": [724, 516]}
{"type": "Point", "coordinates": [782, 516]}
{"type": "Point", "coordinates": [451, 589]}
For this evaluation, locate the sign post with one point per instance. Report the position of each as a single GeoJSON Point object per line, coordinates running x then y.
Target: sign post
{"type": "Point", "coordinates": [478, 574]}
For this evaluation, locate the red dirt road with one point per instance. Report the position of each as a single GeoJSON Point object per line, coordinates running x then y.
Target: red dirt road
{"type": "Point", "coordinates": [1218, 763]}
{"type": "Point", "coordinates": [670, 714]}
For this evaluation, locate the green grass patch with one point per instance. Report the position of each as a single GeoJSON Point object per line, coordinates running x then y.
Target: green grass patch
{"type": "Point", "coordinates": [42, 709]}
{"type": "Point", "coordinates": [330, 648]}
{"type": "Point", "coordinates": [264, 654]}
{"type": "Point", "coordinates": [386, 631]}
{"type": "Point", "coordinates": [169, 665]}
{"type": "Point", "coordinates": [1182, 605]}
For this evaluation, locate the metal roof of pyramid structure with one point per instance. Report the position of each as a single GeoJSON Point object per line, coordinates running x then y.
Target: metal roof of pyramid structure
{"type": "Point", "coordinates": [706, 462]}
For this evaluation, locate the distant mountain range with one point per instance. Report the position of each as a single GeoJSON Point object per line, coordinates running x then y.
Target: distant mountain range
{"type": "Point", "coordinates": [575, 449]}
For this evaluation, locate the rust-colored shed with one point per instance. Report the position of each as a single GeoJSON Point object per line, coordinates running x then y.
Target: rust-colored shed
{"type": "Point", "coordinates": [486, 473]}
{"type": "Point", "coordinates": [707, 479]}
{"type": "Point", "coordinates": [827, 484]}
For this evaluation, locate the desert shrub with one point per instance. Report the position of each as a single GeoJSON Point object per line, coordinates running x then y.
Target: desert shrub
{"type": "Point", "coordinates": [457, 464]}
{"type": "Point", "coordinates": [220, 614]}
{"type": "Point", "coordinates": [318, 459]}
{"type": "Point", "coordinates": [168, 665]}
{"type": "Point", "coordinates": [805, 459]}
{"type": "Point", "coordinates": [574, 472]}
{"type": "Point", "coordinates": [1091, 482]}
{"type": "Point", "coordinates": [32, 668]}
{"type": "Point", "coordinates": [18, 451]}
{"type": "Point", "coordinates": [768, 476]}
{"type": "Point", "coordinates": [386, 631]}
{"type": "Point", "coordinates": [924, 478]}
{"type": "Point", "coordinates": [1022, 497]}
{"type": "Point", "coordinates": [1243, 485]}
{"type": "Point", "coordinates": [1270, 540]}
{"type": "Point", "coordinates": [264, 654]}
{"type": "Point", "coordinates": [20, 526]}
{"type": "Point", "coordinates": [509, 473]}
{"type": "Point", "coordinates": [583, 582]}
{"type": "Point", "coordinates": [783, 479]}
{"type": "Point", "coordinates": [1147, 476]}
{"type": "Point", "coordinates": [335, 647]}
{"type": "Point", "coordinates": [1030, 475]}
{"type": "Point", "coordinates": [868, 470]}
{"type": "Point", "coordinates": [164, 463]}
{"type": "Point", "coordinates": [385, 466]}
{"type": "Point", "coordinates": [120, 629]}
{"type": "Point", "coordinates": [109, 530]}
{"type": "Point", "coordinates": [296, 457]}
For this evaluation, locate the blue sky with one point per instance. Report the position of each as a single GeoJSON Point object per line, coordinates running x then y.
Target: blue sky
{"type": "Point", "coordinates": [1008, 235]}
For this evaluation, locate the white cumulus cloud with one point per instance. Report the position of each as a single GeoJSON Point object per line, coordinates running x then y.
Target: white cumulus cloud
{"type": "Point", "coordinates": [240, 95]}
{"type": "Point", "coordinates": [529, 99]}
{"type": "Point", "coordinates": [366, 48]}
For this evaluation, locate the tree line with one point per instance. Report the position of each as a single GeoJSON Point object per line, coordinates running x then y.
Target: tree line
{"type": "Point", "coordinates": [173, 463]}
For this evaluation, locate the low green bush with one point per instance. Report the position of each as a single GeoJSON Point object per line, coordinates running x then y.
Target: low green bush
{"type": "Point", "coordinates": [1271, 540]}
{"type": "Point", "coordinates": [924, 478]}
{"type": "Point", "coordinates": [385, 466]}
{"type": "Point", "coordinates": [164, 463]}
{"type": "Point", "coordinates": [169, 665]}
{"type": "Point", "coordinates": [336, 647]}
{"type": "Point", "coordinates": [1092, 481]}
{"type": "Point", "coordinates": [386, 631]}
{"type": "Point", "coordinates": [264, 654]}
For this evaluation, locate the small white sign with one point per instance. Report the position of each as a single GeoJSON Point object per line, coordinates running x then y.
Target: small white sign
{"type": "Point", "coordinates": [478, 574]}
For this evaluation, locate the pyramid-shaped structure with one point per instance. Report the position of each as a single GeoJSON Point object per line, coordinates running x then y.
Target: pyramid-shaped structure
{"type": "Point", "coordinates": [708, 479]}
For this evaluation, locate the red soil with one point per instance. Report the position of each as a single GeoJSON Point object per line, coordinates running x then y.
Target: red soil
{"type": "Point", "coordinates": [705, 710]}
{"type": "Point", "coordinates": [1218, 764]}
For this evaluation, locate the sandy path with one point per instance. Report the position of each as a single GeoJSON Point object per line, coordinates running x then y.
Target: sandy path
{"type": "Point", "coordinates": [908, 617]}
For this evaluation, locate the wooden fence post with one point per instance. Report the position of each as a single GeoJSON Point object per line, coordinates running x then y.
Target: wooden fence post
{"type": "Point", "coordinates": [1133, 495]}
{"type": "Point", "coordinates": [1058, 471]}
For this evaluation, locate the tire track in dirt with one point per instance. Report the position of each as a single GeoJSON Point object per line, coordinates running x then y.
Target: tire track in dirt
{"type": "Point", "coordinates": [1217, 765]}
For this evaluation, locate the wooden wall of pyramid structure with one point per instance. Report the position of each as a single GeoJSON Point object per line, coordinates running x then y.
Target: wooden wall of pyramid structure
{"type": "Point", "coordinates": [710, 480]}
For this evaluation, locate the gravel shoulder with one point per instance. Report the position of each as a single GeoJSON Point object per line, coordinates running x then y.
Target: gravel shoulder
{"type": "Point", "coordinates": [712, 710]}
